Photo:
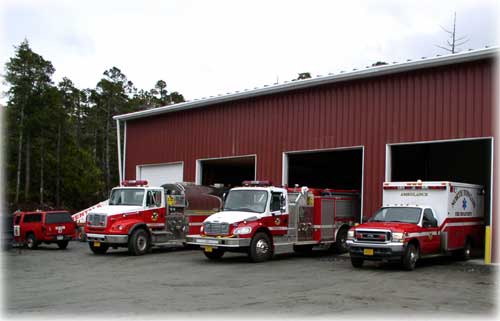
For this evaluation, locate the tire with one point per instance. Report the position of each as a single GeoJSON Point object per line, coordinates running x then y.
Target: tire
{"type": "Point", "coordinates": [99, 250]}
{"type": "Point", "coordinates": [214, 255]}
{"type": "Point", "coordinates": [260, 248]}
{"type": "Point", "coordinates": [340, 245]}
{"type": "Point", "coordinates": [357, 262]}
{"type": "Point", "coordinates": [410, 257]}
{"type": "Point", "coordinates": [31, 242]}
{"type": "Point", "coordinates": [465, 253]}
{"type": "Point", "coordinates": [139, 243]}
{"type": "Point", "coordinates": [303, 248]}
{"type": "Point", "coordinates": [62, 244]}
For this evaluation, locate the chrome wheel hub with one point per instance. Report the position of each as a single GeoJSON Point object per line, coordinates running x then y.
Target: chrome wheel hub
{"type": "Point", "coordinates": [262, 247]}
{"type": "Point", "coordinates": [141, 242]}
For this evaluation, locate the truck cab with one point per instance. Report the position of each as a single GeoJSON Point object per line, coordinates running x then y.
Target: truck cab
{"type": "Point", "coordinates": [418, 220]}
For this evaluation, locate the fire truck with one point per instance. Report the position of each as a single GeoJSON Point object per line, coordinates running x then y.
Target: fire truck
{"type": "Point", "coordinates": [418, 220]}
{"type": "Point", "coordinates": [262, 220]}
{"type": "Point", "coordinates": [138, 216]}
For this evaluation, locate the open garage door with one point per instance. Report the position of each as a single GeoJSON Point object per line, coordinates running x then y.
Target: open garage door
{"type": "Point", "coordinates": [159, 174]}
{"type": "Point", "coordinates": [230, 171]}
{"type": "Point", "coordinates": [336, 169]}
{"type": "Point", "coordinates": [467, 161]}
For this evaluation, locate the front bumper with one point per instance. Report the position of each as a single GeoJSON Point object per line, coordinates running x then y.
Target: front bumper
{"type": "Point", "coordinates": [226, 243]}
{"type": "Point", "coordinates": [108, 238]}
{"type": "Point", "coordinates": [390, 251]}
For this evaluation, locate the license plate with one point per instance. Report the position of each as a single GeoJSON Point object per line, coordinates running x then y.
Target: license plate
{"type": "Point", "coordinates": [208, 249]}
{"type": "Point", "coordinates": [368, 251]}
{"type": "Point", "coordinates": [97, 244]}
{"type": "Point", "coordinates": [60, 237]}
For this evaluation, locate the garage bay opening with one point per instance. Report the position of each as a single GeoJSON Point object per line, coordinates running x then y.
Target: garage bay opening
{"type": "Point", "coordinates": [229, 172]}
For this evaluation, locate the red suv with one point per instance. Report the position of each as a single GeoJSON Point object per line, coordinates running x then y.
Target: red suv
{"type": "Point", "coordinates": [33, 228]}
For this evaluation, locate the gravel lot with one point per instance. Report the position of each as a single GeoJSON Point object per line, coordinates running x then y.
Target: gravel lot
{"type": "Point", "coordinates": [53, 282]}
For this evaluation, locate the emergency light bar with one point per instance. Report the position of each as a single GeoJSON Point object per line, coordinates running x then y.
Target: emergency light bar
{"type": "Point", "coordinates": [134, 183]}
{"type": "Point", "coordinates": [256, 183]}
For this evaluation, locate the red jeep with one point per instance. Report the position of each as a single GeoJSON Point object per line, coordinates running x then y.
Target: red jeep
{"type": "Point", "coordinates": [34, 228]}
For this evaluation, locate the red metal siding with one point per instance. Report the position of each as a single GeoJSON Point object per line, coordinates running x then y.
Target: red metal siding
{"type": "Point", "coordinates": [448, 102]}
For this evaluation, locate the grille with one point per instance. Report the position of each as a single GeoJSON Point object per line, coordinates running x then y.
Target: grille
{"type": "Point", "coordinates": [373, 236]}
{"type": "Point", "coordinates": [216, 228]}
{"type": "Point", "coordinates": [98, 220]}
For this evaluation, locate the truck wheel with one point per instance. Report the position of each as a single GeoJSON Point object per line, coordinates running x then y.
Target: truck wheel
{"type": "Point", "coordinates": [465, 253]}
{"type": "Point", "coordinates": [357, 262]}
{"type": "Point", "coordinates": [31, 242]}
{"type": "Point", "coordinates": [214, 255]}
{"type": "Point", "coordinates": [410, 257]}
{"type": "Point", "coordinates": [62, 244]}
{"type": "Point", "coordinates": [101, 249]}
{"type": "Point", "coordinates": [260, 248]}
{"type": "Point", "coordinates": [138, 243]}
{"type": "Point", "coordinates": [340, 245]}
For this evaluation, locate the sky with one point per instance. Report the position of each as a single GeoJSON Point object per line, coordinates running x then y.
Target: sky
{"type": "Point", "coordinates": [206, 48]}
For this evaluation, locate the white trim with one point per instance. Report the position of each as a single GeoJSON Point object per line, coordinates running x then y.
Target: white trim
{"type": "Point", "coordinates": [155, 224]}
{"type": "Point", "coordinates": [284, 166]}
{"type": "Point", "coordinates": [119, 150]}
{"type": "Point", "coordinates": [418, 234]}
{"type": "Point", "coordinates": [461, 57]}
{"type": "Point", "coordinates": [451, 140]}
{"type": "Point", "coordinates": [280, 228]}
{"type": "Point", "coordinates": [138, 171]}
{"type": "Point", "coordinates": [199, 168]}
{"type": "Point", "coordinates": [196, 224]}
{"type": "Point", "coordinates": [323, 226]}
{"type": "Point", "coordinates": [462, 224]}
{"type": "Point", "coordinates": [388, 163]}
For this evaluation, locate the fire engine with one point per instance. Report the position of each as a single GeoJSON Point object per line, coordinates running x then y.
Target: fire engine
{"type": "Point", "coordinates": [262, 220]}
{"type": "Point", "coordinates": [138, 216]}
{"type": "Point", "coordinates": [418, 220]}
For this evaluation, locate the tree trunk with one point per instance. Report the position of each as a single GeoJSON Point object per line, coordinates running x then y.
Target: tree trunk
{"type": "Point", "coordinates": [19, 155]}
{"type": "Point", "coordinates": [106, 165]}
{"type": "Point", "coordinates": [58, 166]}
{"type": "Point", "coordinates": [41, 169]}
{"type": "Point", "coordinates": [27, 169]}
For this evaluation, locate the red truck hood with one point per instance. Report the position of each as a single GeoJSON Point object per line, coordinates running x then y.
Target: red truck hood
{"type": "Point", "coordinates": [392, 226]}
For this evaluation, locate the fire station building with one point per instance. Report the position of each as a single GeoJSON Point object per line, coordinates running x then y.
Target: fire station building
{"type": "Point", "coordinates": [432, 119]}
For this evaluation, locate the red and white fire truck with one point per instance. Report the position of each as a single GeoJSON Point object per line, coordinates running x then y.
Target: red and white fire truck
{"type": "Point", "coordinates": [261, 220]}
{"type": "Point", "coordinates": [138, 216]}
{"type": "Point", "coordinates": [418, 220]}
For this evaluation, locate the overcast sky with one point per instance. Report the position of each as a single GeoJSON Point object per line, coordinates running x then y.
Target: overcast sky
{"type": "Point", "coordinates": [203, 48]}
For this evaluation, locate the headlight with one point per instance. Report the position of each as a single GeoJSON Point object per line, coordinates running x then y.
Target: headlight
{"type": "Point", "coordinates": [243, 230]}
{"type": "Point", "coordinates": [398, 237]}
{"type": "Point", "coordinates": [201, 228]}
{"type": "Point", "coordinates": [350, 234]}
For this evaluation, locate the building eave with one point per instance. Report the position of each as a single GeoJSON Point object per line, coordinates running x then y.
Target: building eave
{"type": "Point", "coordinates": [462, 57]}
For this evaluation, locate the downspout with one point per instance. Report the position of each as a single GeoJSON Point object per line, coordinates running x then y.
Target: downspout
{"type": "Point", "coordinates": [120, 173]}
{"type": "Point", "coordinates": [124, 149]}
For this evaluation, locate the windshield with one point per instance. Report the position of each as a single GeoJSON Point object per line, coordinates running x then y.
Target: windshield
{"type": "Point", "coordinates": [62, 217]}
{"type": "Point", "coordinates": [246, 201]}
{"type": "Point", "coordinates": [397, 214]}
{"type": "Point", "coordinates": [128, 196]}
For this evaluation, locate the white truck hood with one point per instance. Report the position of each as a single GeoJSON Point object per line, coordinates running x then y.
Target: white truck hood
{"type": "Point", "coordinates": [116, 209]}
{"type": "Point", "coordinates": [231, 217]}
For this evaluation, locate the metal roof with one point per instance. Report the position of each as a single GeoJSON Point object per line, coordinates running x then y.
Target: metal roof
{"type": "Point", "coordinates": [409, 65]}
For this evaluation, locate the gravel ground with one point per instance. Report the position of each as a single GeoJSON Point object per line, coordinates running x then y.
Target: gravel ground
{"type": "Point", "coordinates": [52, 282]}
